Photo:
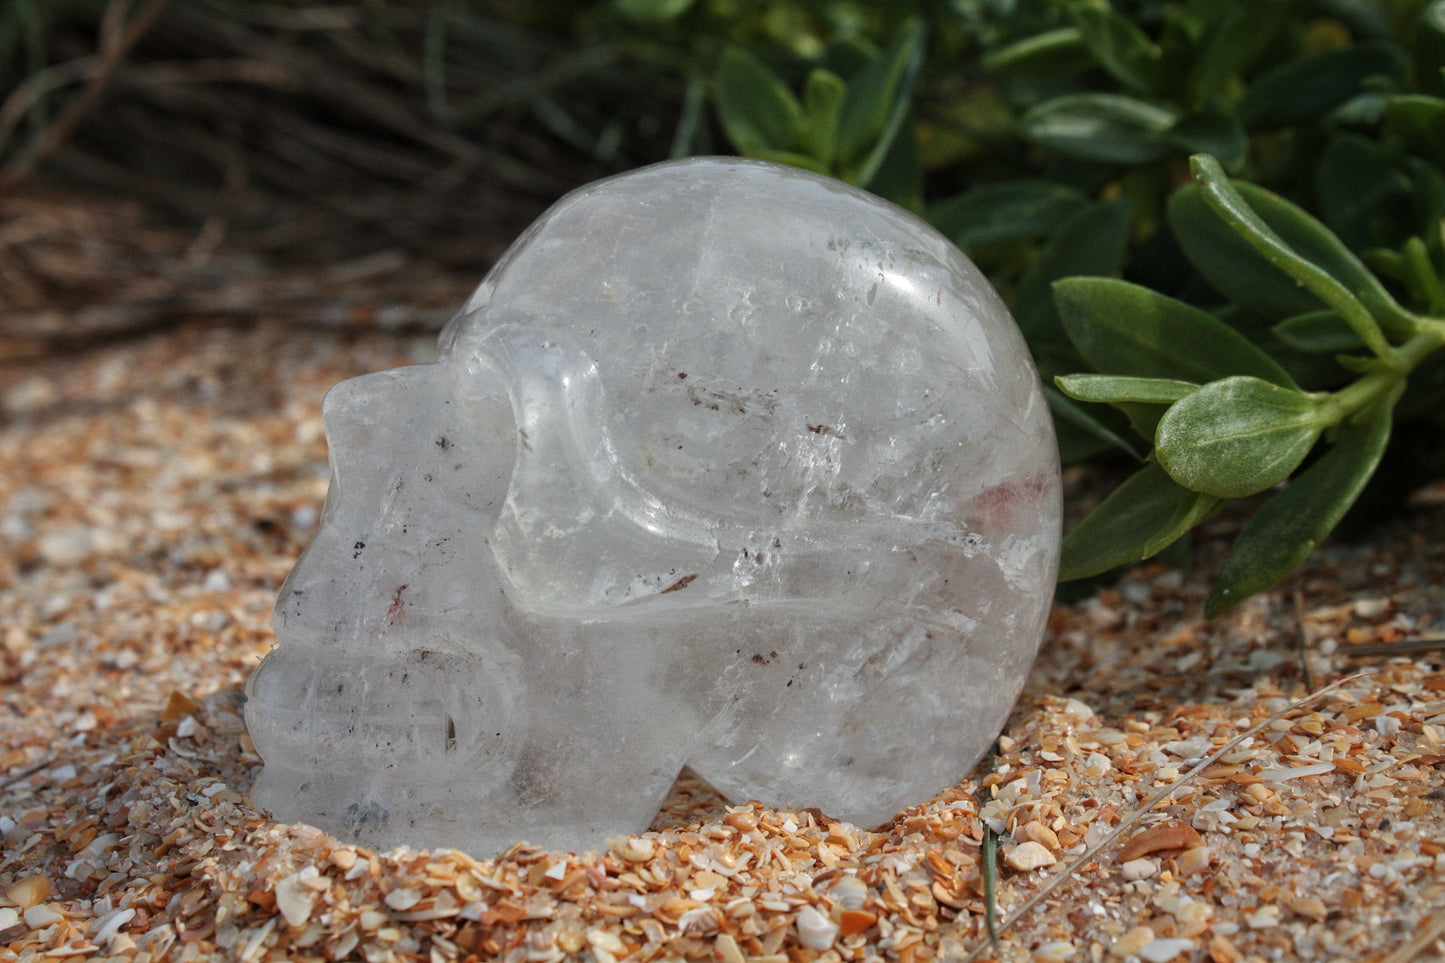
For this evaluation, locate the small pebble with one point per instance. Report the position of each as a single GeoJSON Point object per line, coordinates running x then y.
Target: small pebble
{"type": "Point", "coordinates": [68, 546]}
{"type": "Point", "coordinates": [1058, 951]}
{"type": "Point", "coordinates": [1194, 860]}
{"type": "Point", "coordinates": [815, 930]}
{"type": "Point", "coordinates": [294, 900]}
{"type": "Point", "coordinates": [1264, 918]}
{"type": "Point", "coordinates": [41, 915]}
{"type": "Point", "coordinates": [1310, 908]}
{"type": "Point", "coordinates": [403, 898]}
{"type": "Point", "coordinates": [1037, 832]}
{"type": "Point", "coordinates": [1137, 869]}
{"type": "Point", "coordinates": [744, 822]}
{"type": "Point", "coordinates": [633, 849]}
{"type": "Point", "coordinates": [1164, 950]}
{"type": "Point", "coordinates": [28, 892]}
{"type": "Point", "coordinates": [727, 949]}
{"type": "Point", "coordinates": [1369, 608]}
{"type": "Point", "coordinates": [110, 924]}
{"type": "Point", "coordinates": [1030, 856]}
{"type": "Point", "coordinates": [849, 892]}
{"type": "Point", "coordinates": [1132, 942]}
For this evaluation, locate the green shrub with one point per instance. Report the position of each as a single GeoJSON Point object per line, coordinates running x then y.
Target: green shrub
{"type": "Point", "coordinates": [1220, 225]}
{"type": "Point", "coordinates": [1273, 332]}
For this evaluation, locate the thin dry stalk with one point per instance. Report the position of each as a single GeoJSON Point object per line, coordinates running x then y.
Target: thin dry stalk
{"type": "Point", "coordinates": [1434, 930]}
{"type": "Point", "coordinates": [1167, 791]}
{"type": "Point", "coordinates": [112, 55]}
{"type": "Point", "coordinates": [1389, 650]}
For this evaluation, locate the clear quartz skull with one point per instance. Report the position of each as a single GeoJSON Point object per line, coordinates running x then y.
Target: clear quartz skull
{"type": "Point", "coordinates": [725, 464]}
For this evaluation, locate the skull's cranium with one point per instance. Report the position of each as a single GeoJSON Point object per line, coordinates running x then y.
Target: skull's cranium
{"type": "Point", "coordinates": [725, 464]}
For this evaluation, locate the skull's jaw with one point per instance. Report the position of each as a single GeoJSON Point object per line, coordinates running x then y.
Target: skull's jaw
{"type": "Point", "coordinates": [386, 814]}
{"type": "Point", "coordinates": [425, 752]}
{"type": "Point", "coordinates": [403, 751]}
{"type": "Point", "coordinates": [425, 712]}
{"type": "Point", "coordinates": [391, 689]}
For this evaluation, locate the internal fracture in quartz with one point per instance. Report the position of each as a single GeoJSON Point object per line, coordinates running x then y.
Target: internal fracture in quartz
{"type": "Point", "coordinates": [726, 465]}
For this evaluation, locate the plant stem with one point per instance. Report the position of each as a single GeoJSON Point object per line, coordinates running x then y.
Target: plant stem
{"type": "Point", "coordinates": [1226, 202]}
{"type": "Point", "coordinates": [1422, 272]}
{"type": "Point", "coordinates": [1387, 377]}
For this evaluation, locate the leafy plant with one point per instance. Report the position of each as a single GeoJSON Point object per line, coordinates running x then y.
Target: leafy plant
{"type": "Point", "coordinates": [1220, 225]}
{"type": "Point", "coordinates": [1240, 340]}
{"type": "Point", "coordinates": [1227, 420]}
{"type": "Point", "coordinates": [850, 121]}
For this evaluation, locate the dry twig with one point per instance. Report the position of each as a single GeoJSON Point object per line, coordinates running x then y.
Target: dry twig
{"type": "Point", "coordinates": [115, 45]}
{"type": "Point", "coordinates": [1164, 793]}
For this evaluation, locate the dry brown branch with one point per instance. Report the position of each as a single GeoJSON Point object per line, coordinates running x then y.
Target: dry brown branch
{"type": "Point", "coordinates": [1412, 950]}
{"type": "Point", "coordinates": [1389, 650]}
{"type": "Point", "coordinates": [115, 45]}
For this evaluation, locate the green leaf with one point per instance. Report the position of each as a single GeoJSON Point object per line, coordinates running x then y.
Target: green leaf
{"type": "Point", "coordinates": [1111, 388]}
{"type": "Point", "coordinates": [1424, 392]}
{"type": "Point", "coordinates": [1211, 131]}
{"type": "Point", "coordinates": [900, 175]}
{"type": "Point", "coordinates": [1318, 332]}
{"type": "Point", "coordinates": [1235, 437]}
{"type": "Point", "coordinates": [1363, 195]}
{"type": "Point", "coordinates": [1006, 211]}
{"type": "Point", "coordinates": [877, 104]}
{"type": "Point", "coordinates": [1230, 263]}
{"type": "Point", "coordinates": [1304, 249]}
{"type": "Point", "coordinates": [1143, 418]}
{"type": "Point", "coordinates": [1092, 242]}
{"type": "Point", "coordinates": [1104, 128]}
{"type": "Point", "coordinates": [1246, 276]}
{"type": "Point", "coordinates": [1421, 276]}
{"type": "Point", "coordinates": [1141, 517]}
{"type": "Point", "coordinates": [1419, 121]}
{"type": "Point", "coordinates": [1125, 329]}
{"type": "Point", "coordinates": [1308, 86]}
{"type": "Point", "coordinates": [652, 11]}
{"type": "Point", "coordinates": [1054, 53]}
{"type": "Point", "coordinates": [1120, 48]}
{"type": "Point", "coordinates": [823, 98]}
{"type": "Point", "coordinates": [1080, 434]}
{"type": "Point", "coordinates": [1232, 40]}
{"type": "Point", "coordinates": [1428, 61]}
{"type": "Point", "coordinates": [1078, 444]}
{"type": "Point", "coordinates": [1289, 526]}
{"type": "Point", "coordinates": [792, 158]}
{"type": "Point", "coordinates": [757, 110]}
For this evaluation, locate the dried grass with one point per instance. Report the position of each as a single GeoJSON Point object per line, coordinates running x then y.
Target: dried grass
{"type": "Point", "coordinates": [321, 131]}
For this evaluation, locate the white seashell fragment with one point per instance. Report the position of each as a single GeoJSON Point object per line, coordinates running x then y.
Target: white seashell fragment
{"type": "Point", "coordinates": [41, 915]}
{"type": "Point", "coordinates": [294, 900]}
{"type": "Point", "coordinates": [816, 931]}
{"type": "Point", "coordinates": [1029, 856]}
{"type": "Point", "coordinates": [1164, 949]}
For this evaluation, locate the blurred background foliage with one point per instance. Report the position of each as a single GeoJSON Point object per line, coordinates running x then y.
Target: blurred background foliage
{"type": "Point", "coordinates": [1049, 138]}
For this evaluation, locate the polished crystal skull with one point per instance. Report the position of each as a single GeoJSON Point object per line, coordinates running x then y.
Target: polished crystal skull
{"type": "Point", "coordinates": [726, 465]}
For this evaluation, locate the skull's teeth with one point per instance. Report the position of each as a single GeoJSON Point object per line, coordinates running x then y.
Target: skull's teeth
{"type": "Point", "coordinates": [398, 717]}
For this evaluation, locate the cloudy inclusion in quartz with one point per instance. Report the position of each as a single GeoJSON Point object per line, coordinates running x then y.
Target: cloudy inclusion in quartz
{"type": "Point", "coordinates": [725, 465]}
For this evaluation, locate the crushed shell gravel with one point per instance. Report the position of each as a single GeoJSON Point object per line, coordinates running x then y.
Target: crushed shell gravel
{"type": "Point", "coordinates": [154, 492]}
